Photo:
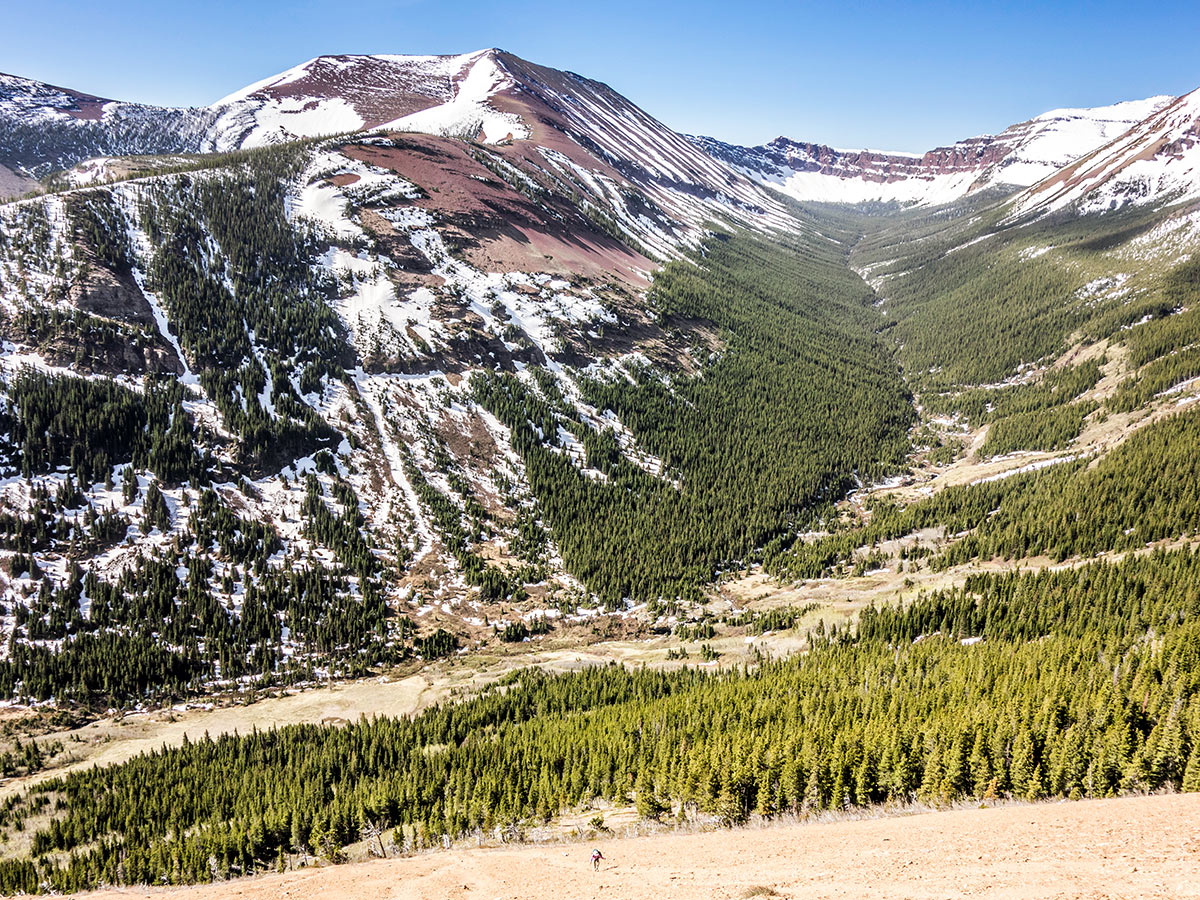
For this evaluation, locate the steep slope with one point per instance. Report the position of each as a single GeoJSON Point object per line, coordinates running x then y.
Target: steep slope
{"type": "Point", "coordinates": [336, 94]}
{"type": "Point", "coordinates": [44, 128]}
{"type": "Point", "coordinates": [336, 372]}
{"type": "Point", "coordinates": [587, 121]}
{"type": "Point", "coordinates": [653, 184]}
{"type": "Point", "coordinates": [1157, 160]}
{"type": "Point", "coordinates": [488, 373]}
{"type": "Point", "coordinates": [1019, 156]}
{"type": "Point", "coordinates": [646, 177]}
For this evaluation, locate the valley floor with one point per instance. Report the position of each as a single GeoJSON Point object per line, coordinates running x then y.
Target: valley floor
{"type": "Point", "coordinates": [1140, 847]}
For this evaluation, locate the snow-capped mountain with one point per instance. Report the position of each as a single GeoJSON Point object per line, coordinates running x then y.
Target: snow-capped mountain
{"type": "Point", "coordinates": [1157, 159]}
{"type": "Point", "coordinates": [339, 321]}
{"type": "Point", "coordinates": [1019, 156]}
{"type": "Point", "coordinates": [626, 162]}
{"type": "Point", "coordinates": [349, 394]}
{"type": "Point", "coordinates": [336, 94]}
{"type": "Point", "coordinates": [582, 128]}
{"type": "Point", "coordinates": [629, 166]}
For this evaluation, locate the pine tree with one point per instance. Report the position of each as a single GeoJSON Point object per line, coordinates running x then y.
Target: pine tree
{"type": "Point", "coordinates": [1191, 774]}
{"type": "Point", "coordinates": [647, 801]}
{"type": "Point", "coordinates": [1023, 763]}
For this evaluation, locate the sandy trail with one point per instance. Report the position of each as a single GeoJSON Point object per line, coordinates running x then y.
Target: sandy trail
{"type": "Point", "coordinates": [1143, 847]}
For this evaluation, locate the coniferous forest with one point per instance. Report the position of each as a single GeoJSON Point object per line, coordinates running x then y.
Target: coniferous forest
{"type": "Point", "coordinates": [1080, 683]}
{"type": "Point", "coordinates": [801, 399]}
{"type": "Point", "coordinates": [231, 463]}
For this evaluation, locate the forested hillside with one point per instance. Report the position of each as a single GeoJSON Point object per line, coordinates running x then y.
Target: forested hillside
{"type": "Point", "coordinates": [797, 400]}
{"type": "Point", "coordinates": [347, 406]}
{"type": "Point", "coordinates": [1064, 341]}
{"type": "Point", "coordinates": [1072, 684]}
{"type": "Point", "coordinates": [308, 444]}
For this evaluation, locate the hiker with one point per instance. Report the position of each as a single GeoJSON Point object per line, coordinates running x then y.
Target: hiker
{"type": "Point", "coordinates": [596, 857]}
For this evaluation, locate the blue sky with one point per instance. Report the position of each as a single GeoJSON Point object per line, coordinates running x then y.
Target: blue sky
{"type": "Point", "coordinates": [905, 76]}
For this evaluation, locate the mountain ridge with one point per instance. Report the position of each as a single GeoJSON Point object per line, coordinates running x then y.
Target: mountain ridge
{"type": "Point", "coordinates": [482, 95]}
{"type": "Point", "coordinates": [1157, 158]}
{"type": "Point", "coordinates": [503, 218]}
{"type": "Point", "coordinates": [507, 367]}
{"type": "Point", "coordinates": [1019, 156]}
{"type": "Point", "coordinates": [488, 96]}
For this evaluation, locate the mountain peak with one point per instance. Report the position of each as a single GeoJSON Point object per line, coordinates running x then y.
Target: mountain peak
{"type": "Point", "coordinates": [338, 93]}
{"type": "Point", "coordinates": [493, 97]}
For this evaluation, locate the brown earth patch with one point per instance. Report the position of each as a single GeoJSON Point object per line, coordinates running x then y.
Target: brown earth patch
{"type": "Point", "coordinates": [109, 293]}
{"type": "Point", "coordinates": [496, 227]}
{"type": "Point", "coordinates": [113, 332]}
{"type": "Point", "coordinates": [85, 106]}
{"type": "Point", "coordinates": [417, 269]}
{"type": "Point", "coordinates": [378, 90]}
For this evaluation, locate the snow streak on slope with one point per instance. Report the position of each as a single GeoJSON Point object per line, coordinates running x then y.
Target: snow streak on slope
{"type": "Point", "coordinates": [533, 305]}
{"type": "Point", "coordinates": [367, 301]}
{"type": "Point", "coordinates": [467, 113]}
{"type": "Point", "coordinates": [638, 177]}
{"type": "Point", "coordinates": [603, 127]}
{"type": "Point", "coordinates": [523, 312]}
{"type": "Point", "coordinates": [336, 94]}
{"type": "Point", "coordinates": [1061, 136]}
{"type": "Point", "coordinates": [43, 127]}
{"type": "Point", "coordinates": [1158, 159]}
{"type": "Point", "coordinates": [374, 389]}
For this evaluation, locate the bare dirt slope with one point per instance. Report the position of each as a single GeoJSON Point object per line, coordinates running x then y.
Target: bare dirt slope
{"type": "Point", "coordinates": [1144, 847]}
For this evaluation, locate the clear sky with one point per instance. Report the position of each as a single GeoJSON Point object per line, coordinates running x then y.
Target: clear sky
{"type": "Point", "coordinates": [903, 76]}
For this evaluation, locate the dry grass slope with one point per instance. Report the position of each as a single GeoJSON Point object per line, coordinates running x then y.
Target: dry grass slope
{"type": "Point", "coordinates": [1143, 847]}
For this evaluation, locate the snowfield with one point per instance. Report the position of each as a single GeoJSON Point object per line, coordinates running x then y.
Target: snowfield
{"type": "Point", "coordinates": [468, 113]}
{"type": "Point", "coordinates": [1157, 159]}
